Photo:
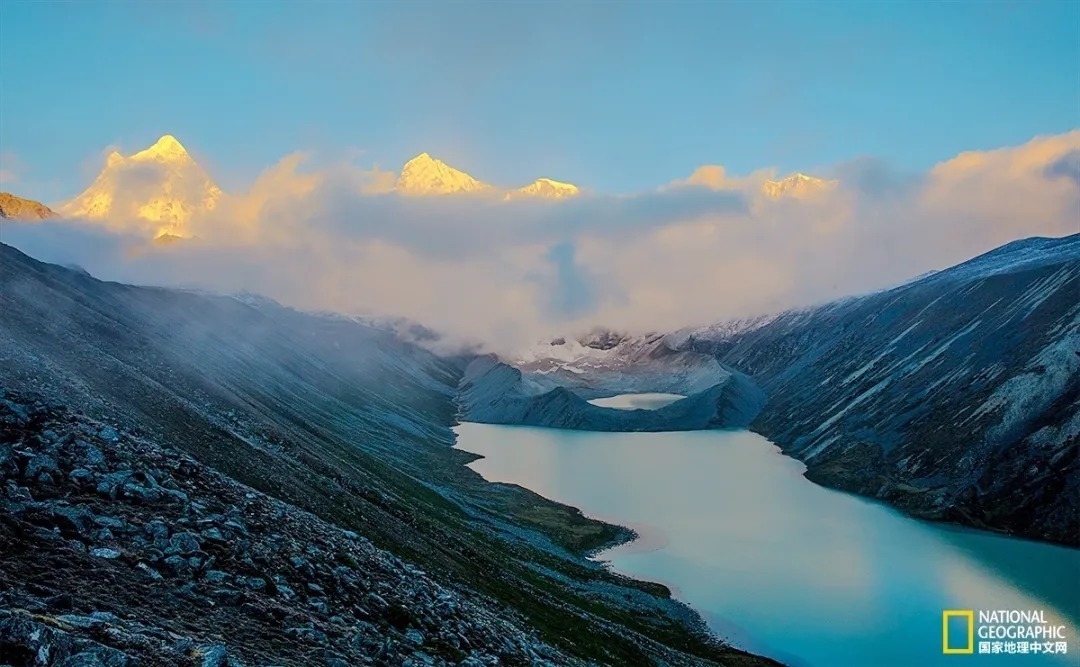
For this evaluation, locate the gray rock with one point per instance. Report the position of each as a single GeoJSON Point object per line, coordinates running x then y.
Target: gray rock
{"type": "Point", "coordinates": [17, 411]}
{"type": "Point", "coordinates": [76, 519]}
{"type": "Point", "coordinates": [84, 659]}
{"type": "Point", "coordinates": [237, 527]}
{"type": "Point", "coordinates": [104, 552]}
{"type": "Point", "coordinates": [105, 616]}
{"type": "Point", "coordinates": [109, 433]}
{"type": "Point", "coordinates": [77, 621]}
{"type": "Point", "coordinates": [255, 583]}
{"type": "Point", "coordinates": [81, 476]}
{"type": "Point", "coordinates": [183, 544]}
{"type": "Point", "coordinates": [215, 656]}
{"type": "Point", "coordinates": [111, 522]}
{"type": "Point", "coordinates": [175, 495]}
{"type": "Point", "coordinates": [39, 465]}
{"type": "Point", "coordinates": [157, 529]}
{"type": "Point", "coordinates": [88, 454]}
{"type": "Point", "coordinates": [7, 456]}
{"type": "Point", "coordinates": [151, 572]}
{"type": "Point", "coordinates": [216, 576]}
{"type": "Point", "coordinates": [110, 484]}
{"type": "Point", "coordinates": [145, 494]}
{"type": "Point", "coordinates": [213, 534]}
{"type": "Point", "coordinates": [178, 565]}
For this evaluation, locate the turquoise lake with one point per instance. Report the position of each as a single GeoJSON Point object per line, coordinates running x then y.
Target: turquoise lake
{"type": "Point", "coordinates": [776, 564]}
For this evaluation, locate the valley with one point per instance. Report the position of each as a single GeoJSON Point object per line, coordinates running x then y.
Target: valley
{"type": "Point", "coordinates": [955, 397]}
{"type": "Point", "coordinates": [344, 425]}
{"type": "Point", "coordinates": [331, 416]}
{"type": "Point", "coordinates": [518, 334]}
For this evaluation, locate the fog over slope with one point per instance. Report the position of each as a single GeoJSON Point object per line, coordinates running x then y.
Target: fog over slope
{"type": "Point", "coordinates": [322, 414]}
{"type": "Point", "coordinates": [706, 248]}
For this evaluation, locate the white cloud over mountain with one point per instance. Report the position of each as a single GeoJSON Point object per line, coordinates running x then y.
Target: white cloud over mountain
{"type": "Point", "coordinates": [510, 269]}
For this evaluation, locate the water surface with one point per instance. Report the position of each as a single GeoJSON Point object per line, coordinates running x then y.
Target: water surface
{"type": "Point", "coordinates": [775, 563]}
{"type": "Point", "coordinates": [652, 401]}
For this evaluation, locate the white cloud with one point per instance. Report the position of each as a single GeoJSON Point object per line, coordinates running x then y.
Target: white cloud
{"type": "Point", "coordinates": [700, 250]}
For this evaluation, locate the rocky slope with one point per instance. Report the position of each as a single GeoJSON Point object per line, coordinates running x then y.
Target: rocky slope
{"type": "Point", "coordinates": [955, 397]}
{"type": "Point", "coordinates": [153, 558]}
{"type": "Point", "coordinates": [335, 425]}
{"type": "Point", "coordinates": [17, 208]}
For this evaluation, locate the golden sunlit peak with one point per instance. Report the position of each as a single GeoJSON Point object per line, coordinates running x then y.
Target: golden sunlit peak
{"type": "Point", "coordinates": [168, 142]}
{"type": "Point", "coordinates": [545, 188]}
{"type": "Point", "coordinates": [425, 175]}
{"type": "Point", "coordinates": [169, 189]}
{"type": "Point", "coordinates": [796, 185]}
{"type": "Point", "coordinates": [166, 148]}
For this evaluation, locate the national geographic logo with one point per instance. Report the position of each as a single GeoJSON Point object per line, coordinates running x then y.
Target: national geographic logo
{"type": "Point", "coordinates": [1000, 631]}
{"type": "Point", "coordinates": [954, 647]}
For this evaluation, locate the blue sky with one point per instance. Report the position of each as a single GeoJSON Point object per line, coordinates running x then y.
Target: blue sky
{"type": "Point", "coordinates": [614, 96]}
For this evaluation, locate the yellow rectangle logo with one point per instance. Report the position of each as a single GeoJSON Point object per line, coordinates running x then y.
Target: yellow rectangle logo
{"type": "Point", "coordinates": [969, 614]}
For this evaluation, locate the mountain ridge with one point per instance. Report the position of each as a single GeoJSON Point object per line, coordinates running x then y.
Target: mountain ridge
{"type": "Point", "coordinates": [955, 397]}
{"type": "Point", "coordinates": [13, 207]}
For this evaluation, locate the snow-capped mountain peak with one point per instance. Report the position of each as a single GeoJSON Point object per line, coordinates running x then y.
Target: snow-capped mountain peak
{"type": "Point", "coordinates": [796, 185]}
{"type": "Point", "coordinates": [165, 149]}
{"type": "Point", "coordinates": [426, 175]}
{"type": "Point", "coordinates": [158, 189]}
{"type": "Point", "coordinates": [545, 188]}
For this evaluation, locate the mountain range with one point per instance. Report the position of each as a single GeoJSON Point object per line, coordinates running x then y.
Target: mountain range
{"type": "Point", "coordinates": [184, 462]}
{"type": "Point", "coordinates": [160, 190]}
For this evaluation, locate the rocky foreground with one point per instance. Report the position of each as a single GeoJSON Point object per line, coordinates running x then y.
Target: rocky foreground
{"type": "Point", "coordinates": [132, 553]}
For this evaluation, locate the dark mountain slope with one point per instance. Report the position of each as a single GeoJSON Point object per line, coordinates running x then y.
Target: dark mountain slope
{"type": "Point", "coordinates": [342, 420]}
{"type": "Point", "coordinates": [955, 397]}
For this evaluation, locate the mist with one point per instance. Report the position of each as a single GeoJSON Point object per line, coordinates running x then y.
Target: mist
{"type": "Point", "coordinates": [701, 249]}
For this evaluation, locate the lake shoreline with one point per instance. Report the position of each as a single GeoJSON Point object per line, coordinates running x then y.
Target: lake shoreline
{"type": "Point", "coordinates": [826, 538]}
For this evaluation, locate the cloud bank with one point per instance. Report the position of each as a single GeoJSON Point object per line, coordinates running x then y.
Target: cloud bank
{"type": "Point", "coordinates": [701, 249]}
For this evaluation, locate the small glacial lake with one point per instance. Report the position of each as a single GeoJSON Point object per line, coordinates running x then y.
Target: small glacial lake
{"type": "Point", "coordinates": [779, 565]}
{"type": "Point", "coordinates": [637, 401]}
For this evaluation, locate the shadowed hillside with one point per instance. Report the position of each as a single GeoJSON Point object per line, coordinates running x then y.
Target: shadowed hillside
{"type": "Point", "coordinates": [328, 415]}
{"type": "Point", "coordinates": [955, 397]}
